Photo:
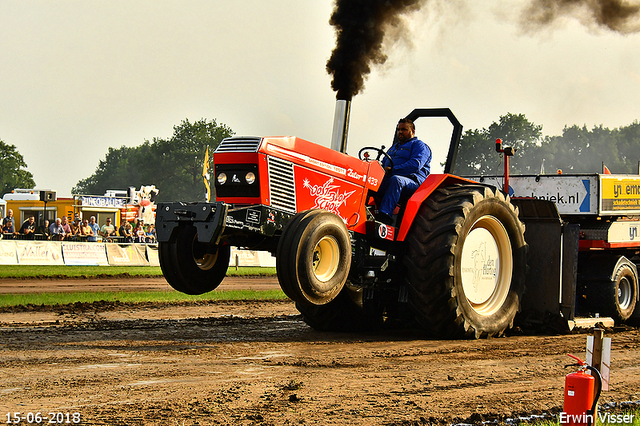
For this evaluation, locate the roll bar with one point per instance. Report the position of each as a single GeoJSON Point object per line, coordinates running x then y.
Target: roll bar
{"type": "Point", "coordinates": [455, 135]}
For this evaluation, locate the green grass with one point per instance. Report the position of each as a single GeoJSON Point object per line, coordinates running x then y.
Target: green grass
{"type": "Point", "coordinates": [59, 271]}
{"type": "Point", "coordinates": [62, 272]}
{"type": "Point", "coordinates": [29, 271]}
{"type": "Point", "coordinates": [7, 300]}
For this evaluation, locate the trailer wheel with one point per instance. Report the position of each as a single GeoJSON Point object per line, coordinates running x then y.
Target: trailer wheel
{"type": "Point", "coordinates": [314, 258]}
{"type": "Point", "coordinates": [617, 297]}
{"type": "Point", "coordinates": [624, 289]}
{"type": "Point", "coordinates": [466, 262]}
{"type": "Point", "coordinates": [609, 284]}
{"type": "Point", "coordinates": [190, 266]}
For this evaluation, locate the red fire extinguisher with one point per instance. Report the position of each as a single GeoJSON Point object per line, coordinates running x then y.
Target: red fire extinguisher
{"type": "Point", "coordinates": [581, 394]}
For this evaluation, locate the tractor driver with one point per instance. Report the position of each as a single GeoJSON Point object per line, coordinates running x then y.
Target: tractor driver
{"type": "Point", "coordinates": [411, 166]}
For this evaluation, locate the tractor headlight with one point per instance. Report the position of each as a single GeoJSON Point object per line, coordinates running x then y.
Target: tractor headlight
{"type": "Point", "coordinates": [250, 178]}
{"type": "Point", "coordinates": [237, 180]}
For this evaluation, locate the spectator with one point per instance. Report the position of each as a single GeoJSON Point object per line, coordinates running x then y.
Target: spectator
{"type": "Point", "coordinates": [150, 236]}
{"type": "Point", "coordinates": [8, 225]}
{"type": "Point", "coordinates": [95, 228]}
{"type": "Point", "coordinates": [138, 231]}
{"type": "Point", "coordinates": [28, 228]}
{"type": "Point", "coordinates": [75, 230]}
{"type": "Point", "coordinates": [57, 230]}
{"type": "Point", "coordinates": [44, 230]}
{"type": "Point", "coordinates": [85, 230]}
{"type": "Point", "coordinates": [67, 228]}
{"type": "Point", "coordinates": [108, 230]}
{"type": "Point", "coordinates": [126, 232]}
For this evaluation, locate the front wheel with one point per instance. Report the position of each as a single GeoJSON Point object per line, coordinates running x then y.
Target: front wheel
{"type": "Point", "coordinates": [466, 262]}
{"type": "Point", "coordinates": [313, 257]}
{"type": "Point", "coordinates": [190, 266]}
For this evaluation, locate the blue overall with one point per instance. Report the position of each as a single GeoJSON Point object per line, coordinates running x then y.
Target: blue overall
{"type": "Point", "coordinates": [411, 166]}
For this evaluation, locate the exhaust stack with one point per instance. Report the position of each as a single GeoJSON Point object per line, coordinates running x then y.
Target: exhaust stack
{"type": "Point", "coordinates": [341, 125]}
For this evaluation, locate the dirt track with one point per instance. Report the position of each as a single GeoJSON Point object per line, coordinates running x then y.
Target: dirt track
{"type": "Point", "coordinates": [258, 363]}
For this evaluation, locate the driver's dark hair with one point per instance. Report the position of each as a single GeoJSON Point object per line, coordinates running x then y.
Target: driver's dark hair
{"type": "Point", "coordinates": [409, 122]}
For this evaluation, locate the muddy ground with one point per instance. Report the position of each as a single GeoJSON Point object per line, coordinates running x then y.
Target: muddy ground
{"type": "Point", "coordinates": [257, 363]}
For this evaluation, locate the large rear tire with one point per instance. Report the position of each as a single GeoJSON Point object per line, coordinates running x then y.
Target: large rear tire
{"type": "Point", "coordinates": [190, 266]}
{"type": "Point", "coordinates": [313, 257]}
{"type": "Point", "coordinates": [466, 262]}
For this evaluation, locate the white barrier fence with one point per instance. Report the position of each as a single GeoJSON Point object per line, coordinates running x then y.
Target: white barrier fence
{"type": "Point", "coordinates": [20, 252]}
{"type": "Point", "coordinates": [251, 258]}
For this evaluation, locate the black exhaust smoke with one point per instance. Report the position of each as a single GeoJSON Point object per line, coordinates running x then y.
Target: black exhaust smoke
{"type": "Point", "coordinates": [615, 15]}
{"type": "Point", "coordinates": [360, 27]}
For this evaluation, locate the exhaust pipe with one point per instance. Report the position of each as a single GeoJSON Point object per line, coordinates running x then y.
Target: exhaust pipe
{"type": "Point", "coordinates": [341, 125]}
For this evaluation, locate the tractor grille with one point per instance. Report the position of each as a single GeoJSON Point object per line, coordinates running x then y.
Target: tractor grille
{"type": "Point", "coordinates": [282, 184]}
{"type": "Point", "coordinates": [240, 144]}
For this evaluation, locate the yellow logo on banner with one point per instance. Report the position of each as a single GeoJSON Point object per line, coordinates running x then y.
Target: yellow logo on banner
{"type": "Point", "coordinates": [620, 193]}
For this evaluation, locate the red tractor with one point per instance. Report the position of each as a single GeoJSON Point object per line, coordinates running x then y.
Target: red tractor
{"type": "Point", "coordinates": [455, 264]}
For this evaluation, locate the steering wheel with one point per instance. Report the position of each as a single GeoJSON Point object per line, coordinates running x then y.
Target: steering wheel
{"type": "Point", "coordinates": [381, 153]}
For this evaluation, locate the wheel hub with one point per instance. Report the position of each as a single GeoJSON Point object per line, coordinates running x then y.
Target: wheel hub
{"type": "Point", "coordinates": [486, 265]}
{"type": "Point", "coordinates": [326, 258]}
{"type": "Point", "coordinates": [202, 257]}
{"type": "Point", "coordinates": [624, 293]}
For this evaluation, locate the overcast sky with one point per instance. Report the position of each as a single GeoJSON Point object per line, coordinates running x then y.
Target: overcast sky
{"type": "Point", "coordinates": [78, 77]}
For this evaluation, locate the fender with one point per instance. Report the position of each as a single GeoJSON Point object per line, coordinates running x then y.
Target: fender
{"type": "Point", "coordinates": [431, 183]}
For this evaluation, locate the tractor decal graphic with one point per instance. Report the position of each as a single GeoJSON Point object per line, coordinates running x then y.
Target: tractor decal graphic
{"type": "Point", "coordinates": [480, 270]}
{"type": "Point", "coordinates": [327, 196]}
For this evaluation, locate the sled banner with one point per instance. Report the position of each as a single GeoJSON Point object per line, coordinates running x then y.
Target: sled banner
{"type": "Point", "coordinates": [17, 252]}
{"type": "Point", "coordinates": [84, 254]}
{"type": "Point", "coordinates": [39, 253]}
{"type": "Point", "coordinates": [8, 254]}
{"type": "Point", "coordinates": [126, 255]}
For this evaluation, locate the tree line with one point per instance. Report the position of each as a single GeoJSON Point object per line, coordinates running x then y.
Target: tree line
{"type": "Point", "coordinates": [13, 173]}
{"type": "Point", "coordinates": [577, 150]}
{"type": "Point", "coordinates": [175, 165]}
